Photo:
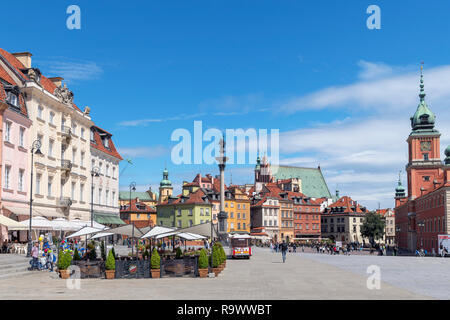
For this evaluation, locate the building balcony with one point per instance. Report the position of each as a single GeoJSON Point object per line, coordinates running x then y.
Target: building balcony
{"type": "Point", "coordinates": [66, 132]}
{"type": "Point", "coordinates": [66, 165]}
{"type": "Point", "coordinates": [65, 201]}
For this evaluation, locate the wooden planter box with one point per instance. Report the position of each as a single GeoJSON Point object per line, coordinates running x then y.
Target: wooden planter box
{"type": "Point", "coordinates": [90, 269]}
{"type": "Point", "coordinates": [216, 271]}
{"type": "Point", "coordinates": [186, 267]}
{"type": "Point", "coordinates": [64, 274]}
{"type": "Point", "coordinates": [110, 274]}
{"type": "Point", "coordinates": [203, 273]}
{"type": "Point", "coordinates": [156, 273]}
{"type": "Point", "coordinates": [132, 269]}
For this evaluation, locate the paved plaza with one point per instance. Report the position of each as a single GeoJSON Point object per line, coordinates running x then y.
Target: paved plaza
{"type": "Point", "coordinates": [264, 276]}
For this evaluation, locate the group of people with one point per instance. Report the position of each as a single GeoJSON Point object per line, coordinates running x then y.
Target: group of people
{"type": "Point", "coordinates": [42, 256]}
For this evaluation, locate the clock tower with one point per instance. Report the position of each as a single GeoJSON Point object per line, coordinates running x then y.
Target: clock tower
{"type": "Point", "coordinates": [424, 165]}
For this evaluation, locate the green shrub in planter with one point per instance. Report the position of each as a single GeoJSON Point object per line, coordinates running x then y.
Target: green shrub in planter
{"type": "Point", "coordinates": [215, 258]}
{"type": "Point", "coordinates": [110, 261]}
{"type": "Point", "coordinates": [113, 252]}
{"type": "Point", "coordinates": [76, 255]}
{"type": "Point", "coordinates": [92, 252]}
{"type": "Point", "coordinates": [102, 250]}
{"type": "Point", "coordinates": [64, 260]}
{"type": "Point", "coordinates": [179, 253]}
{"type": "Point", "coordinates": [203, 260]}
{"type": "Point", "coordinates": [155, 260]}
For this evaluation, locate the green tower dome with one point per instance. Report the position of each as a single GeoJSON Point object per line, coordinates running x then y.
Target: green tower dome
{"type": "Point", "coordinates": [447, 154]}
{"type": "Point", "coordinates": [400, 190]}
{"type": "Point", "coordinates": [165, 182]}
{"type": "Point", "coordinates": [258, 163]}
{"type": "Point", "coordinates": [424, 118]}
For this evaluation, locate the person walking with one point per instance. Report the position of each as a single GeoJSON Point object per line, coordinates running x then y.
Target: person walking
{"type": "Point", "coordinates": [283, 248]}
{"type": "Point", "coordinates": [294, 246]}
{"type": "Point", "coordinates": [34, 255]}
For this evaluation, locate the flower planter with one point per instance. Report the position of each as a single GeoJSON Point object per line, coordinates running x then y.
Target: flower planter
{"type": "Point", "coordinates": [110, 274]}
{"type": "Point", "coordinates": [65, 274]}
{"type": "Point", "coordinates": [203, 273]}
{"type": "Point", "coordinates": [216, 271]}
{"type": "Point", "coordinates": [156, 273]}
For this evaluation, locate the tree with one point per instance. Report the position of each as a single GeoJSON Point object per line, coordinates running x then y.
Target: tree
{"type": "Point", "coordinates": [373, 227]}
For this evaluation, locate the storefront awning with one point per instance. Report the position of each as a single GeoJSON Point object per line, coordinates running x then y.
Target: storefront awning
{"type": "Point", "coordinates": [11, 224]}
{"type": "Point", "coordinates": [39, 211]}
{"type": "Point", "coordinates": [107, 218]}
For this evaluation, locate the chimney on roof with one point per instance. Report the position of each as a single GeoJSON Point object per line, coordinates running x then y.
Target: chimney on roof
{"type": "Point", "coordinates": [57, 81]}
{"type": "Point", "coordinates": [24, 58]}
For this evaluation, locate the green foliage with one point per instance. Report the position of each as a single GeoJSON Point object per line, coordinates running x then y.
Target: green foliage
{"type": "Point", "coordinates": [373, 227]}
{"type": "Point", "coordinates": [203, 260]}
{"type": "Point", "coordinates": [102, 250]}
{"type": "Point", "coordinates": [155, 261]}
{"type": "Point", "coordinates": [110, 262]}
{"type": "Point", "coordinates": [64, 260]}
{"type": "Point", "coordinates": [113, 252]}
{"type": "Point", "coordinates": [179, 253]}
{"type": "Point", "coordinates": [145, 253]}
{"type": "Point", "coordinates": [216, 257]}
{"type": "Point", "coordinates": [76, 255]}
{"type": "Point", "coordinates": [92, 252]}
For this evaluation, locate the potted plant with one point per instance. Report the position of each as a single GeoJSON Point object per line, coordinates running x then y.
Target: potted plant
{"type": "Point", "coordinates": [215, 261]}
{"type": "Point", "coordinates": [92, 255]}
{"type": "Point", "coordinates": [179, 254]}
{"type": "Point", "coordinates": [110, 266]}
{"type": "Point", "coordinates": [76, 255]}
{"type": "Point", "coordinates": [203, 264]}
{"type": "Point", "coordinates": [155, 264]}
{"type": "Point", "coordinates": [102, 250]}
{"type": "Point", "coordinates": [63, 264]}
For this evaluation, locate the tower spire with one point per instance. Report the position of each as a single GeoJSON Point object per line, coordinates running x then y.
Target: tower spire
{"type": "Point", "coordinates": [422, 93]}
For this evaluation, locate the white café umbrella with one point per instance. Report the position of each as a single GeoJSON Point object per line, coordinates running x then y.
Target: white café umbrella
{"type": "Point", "coordinates": [84, 232]}
{"type": "Point", "coordinates": [63, 224]}
{"type": "Point", "coordinates": [156, 231]}
{"type": "Point", "coordinates": [38, 223]}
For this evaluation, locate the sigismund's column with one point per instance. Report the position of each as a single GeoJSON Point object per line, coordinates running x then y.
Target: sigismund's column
{"type": "Point", "coordinates": [222, 216]}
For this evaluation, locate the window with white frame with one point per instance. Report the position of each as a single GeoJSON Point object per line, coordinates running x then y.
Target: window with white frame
{"type": "Point", "coordinates": [82, 154]}
{"type": "Point", "coordinates": [50, 147]}
{"type": "Point", "coordinates": [74, 152]}
{"type": "Point", "coordinates": [21, 186]}
{"type": "Point", "coordinates": [113, 197]}
{"type": "Point", "coordinates": [73, 190]}
{"type": "Point", "coordinates": [81, 192]}
{"type": "Point", "coordinates": [49, 186]}
{"type": "Point", "coordinates": [38, 183]}
{"type": "Point", "coordinates": [22, 137]}
{"type": "Point", "coordinates": [13, 99]}
{"type": "Point", "coordinates": [82, 133]}
{"type": "Point", "coordinates": [99, 196]}
{"type": "Point", "coordinates": [8, 131]}
{"type": "Point", "coordinates": [7, 177]}
{"type": "Point", "coordinates": [51, 117]}
{"type": "Point", "coordinates": [74, 127]}
{"type": "Point", "coordinates": [107, 170]}
{"type": "Point", "coordinates": [40, 112]}
{"type": "Point", "coordinates": [107, 197]}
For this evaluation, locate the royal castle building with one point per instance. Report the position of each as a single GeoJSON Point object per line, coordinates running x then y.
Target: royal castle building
{"type": "Point", "coordinates": [423, 213]}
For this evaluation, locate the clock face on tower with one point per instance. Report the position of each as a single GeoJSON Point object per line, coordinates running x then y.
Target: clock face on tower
{"type": "Point", "coordinates": [425, 146]}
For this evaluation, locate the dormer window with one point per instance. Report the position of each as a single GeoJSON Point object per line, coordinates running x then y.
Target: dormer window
{"type": "Point", "coordinates": [13, 99]}
{"type": "Point", "coordinates": [106, 142]}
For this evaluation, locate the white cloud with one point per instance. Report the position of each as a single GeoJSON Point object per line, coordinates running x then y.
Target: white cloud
{"type": "Point", "coordinates": [143, 152]}
{"type": "Point", "coordinates": [145, 122]}
{"type": "Point", "coordinates": [393, 93]}
{"type": "Point", "coordinates": [362, 156]}
{"type": "Point", "coordinates": [73, 70]}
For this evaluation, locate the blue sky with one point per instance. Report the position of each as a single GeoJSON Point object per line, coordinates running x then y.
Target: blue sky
{"type": "Point", "coordinates": [340, 94]}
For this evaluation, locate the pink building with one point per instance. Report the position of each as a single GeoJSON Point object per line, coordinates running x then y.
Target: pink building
{"type": "Point", "coordinates": [14, 153]}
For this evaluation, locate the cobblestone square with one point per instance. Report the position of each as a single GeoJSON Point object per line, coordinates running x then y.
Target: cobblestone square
{"type": "Point", "coordinates": [264, 276]}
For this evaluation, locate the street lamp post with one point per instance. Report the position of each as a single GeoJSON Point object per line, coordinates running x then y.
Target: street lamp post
{"type": "Point", "coordinates": [421, 225]}
{"type": "Point", "coordinates": [94, 173]}
{"type": "Point", "coordinates": [132, 188]}
{"type": "Point", "coordinates": [35, 148]}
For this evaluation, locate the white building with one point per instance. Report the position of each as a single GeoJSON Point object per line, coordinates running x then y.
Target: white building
{"type": "Point", "coordinates": [105, 158]}
{"type": "Point", "coordinates": [62, 172]}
